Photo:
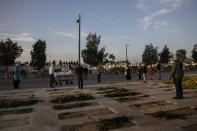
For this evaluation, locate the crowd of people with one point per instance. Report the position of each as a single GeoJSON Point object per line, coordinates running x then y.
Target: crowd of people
{"type": "Point", "coordinates": [143, 71]}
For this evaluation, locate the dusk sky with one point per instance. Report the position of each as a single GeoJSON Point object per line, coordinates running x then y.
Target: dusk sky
{"type": "Point", "coordinates": [119, 22]}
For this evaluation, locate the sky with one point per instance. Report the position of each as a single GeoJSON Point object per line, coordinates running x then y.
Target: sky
{"type": "Point", "coordinates": [119, 22]}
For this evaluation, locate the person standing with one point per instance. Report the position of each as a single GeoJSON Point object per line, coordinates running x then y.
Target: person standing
{"type": "Point", "coordinates": [144, 72]}
{"type": "Point", "coordinates": [177, 74]}
{"type": "Point", "coordinates": [139, 71]}
{"type": "Point", "coordinates": [128, 73]}
{"type": "Point", "coordinates": [80, 76]}
{"type": "Point", "coordinates": [99, 76]}
{"type": "Point", "coordinates": [51, 75]}
{"type": "Point", "coordinates": [159, 70]}
{"type": "Point", "coordinates": [17, 76]}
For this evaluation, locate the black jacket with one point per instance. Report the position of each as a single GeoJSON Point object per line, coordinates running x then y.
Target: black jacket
{"type": "Point", "coordinates": [177, 70]}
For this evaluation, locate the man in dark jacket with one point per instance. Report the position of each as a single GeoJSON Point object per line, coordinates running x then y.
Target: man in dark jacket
{"type": "Point", "coordinates": [80, 76]}
{"type": "Point", "coordinates": [177, 74]}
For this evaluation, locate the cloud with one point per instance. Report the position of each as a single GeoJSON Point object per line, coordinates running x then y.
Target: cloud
{"type": "Point", "coordinates": [18, 37]}
{"type": "Point", "coordinates": [159, 8]}
{"type": "Point", "coordinates": [66, 34]}
{"type": "Point", "coordinates": [71, 35]}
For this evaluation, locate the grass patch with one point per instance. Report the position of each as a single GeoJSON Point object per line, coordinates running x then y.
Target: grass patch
{"type": "Point", "coordinates": [166, 115]}
{"type": "Point", "coordinates": [10, 103]}
{"type": "Point", "coordinates": [116, 92]}
{"type": "Point", "coordinates": [109, 124]}
{"type": "Point", "coordinates": [68, 98]}
{"type": "Point", "coordinates": [106, 88]}
{"type": "Point", "coordinates": [79, 104]}
{"type": "Point", "coordinates": [121, 94]}
{"type": "Point", "coordinates": [16, 111]}
{"type": "Point", "coordinates": [125, 99]}
{"type": "Point", "coordinates": [187, 83]}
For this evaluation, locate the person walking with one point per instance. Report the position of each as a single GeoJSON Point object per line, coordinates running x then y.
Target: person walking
{"type": "Point", "coordinates": [51, 75]}
{"type": "Point", "coordinates": [177, 74]}
{"type": "Point", "coordinates": [139, 71]}
{"type": "Point", "coordinates": [159, 70]}
{"type": "Point", "coordinates": [17, 76]}
{"type": "Point", "coordinates": [80, 76]}
{"type": "Point", "coordinates": [144, 72]}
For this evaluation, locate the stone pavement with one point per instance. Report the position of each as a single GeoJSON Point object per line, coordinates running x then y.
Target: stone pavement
{"type": "Point", "coordinates": [147, 98]}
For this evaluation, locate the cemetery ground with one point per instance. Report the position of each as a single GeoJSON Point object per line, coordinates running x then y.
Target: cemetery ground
{"type": "Point", "coordinates": [118, 105]}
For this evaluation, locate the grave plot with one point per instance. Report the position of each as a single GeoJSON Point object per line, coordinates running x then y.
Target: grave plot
{"type": "Point", "coordinates": [71, 97]}
{"type": "Point", "coordinates": [8, 109]}
{"type": "Point", "coordinates": [16, 111]}
{"type": "Point", "coordinates": [154, 104]}
{"type": "Point", "coordinates": [15, 122]}
{"type": "Point", "coordinates": [75, 105]}
{"type": "Point", "coordinates": [17, 95]}
{"type": "Point", "coordinates": [174, 114]}
{"type": "Point", "coordinates": [89, 113]}
{"type": "Point", "coordinates": [117, 92]}
{"type": "Point", "coordinates": [131, 99]}
{"type": "Point", "coordinates": [191, 127]}
{"type": "Point", "coordinates": [101, 125]}
{"type": "Point", "coordinates": [11, 103]}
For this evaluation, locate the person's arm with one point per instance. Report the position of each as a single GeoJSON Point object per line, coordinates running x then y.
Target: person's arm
{"type": "Point", "coordinates": [174, 66]}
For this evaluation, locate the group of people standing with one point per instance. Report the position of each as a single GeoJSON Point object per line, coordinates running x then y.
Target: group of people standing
{"type": "Point", "coordinates": [176, 73]}
{"type": "Point", "coordinates": [143, 71]}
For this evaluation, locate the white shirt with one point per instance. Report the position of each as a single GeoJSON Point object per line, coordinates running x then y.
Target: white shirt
{"type": "Point", "coordinates": [51, 70]}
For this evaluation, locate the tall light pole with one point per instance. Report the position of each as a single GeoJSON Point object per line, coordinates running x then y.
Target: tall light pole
{"type": "Point", "coordinates": [79, 21]}
{"type": "Point", "coordinates": [126, 54]}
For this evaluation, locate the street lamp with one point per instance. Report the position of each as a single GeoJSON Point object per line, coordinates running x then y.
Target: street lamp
{"type": "Point", "coordinates": [126, 54]}
{"type": "Point", "coordinates": [79, 21]}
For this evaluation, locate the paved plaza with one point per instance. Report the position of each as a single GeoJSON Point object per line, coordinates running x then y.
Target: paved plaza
{"type": "Point", "coordinates": [139, 102]}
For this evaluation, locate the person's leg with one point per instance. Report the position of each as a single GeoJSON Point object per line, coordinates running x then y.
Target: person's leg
{"type": "Point", "coordinates": [14, 83]}
{"type": "Point", "coordinates": [98, 78]}
{"type": "Point", "coordinates": [180, 90]}
{"type": "Point", "coordinates": [81, 82]}
{"type": "Point", "coordinates": [176, 85]}
{"type": "Point", "coordinates": [159, 75]}
{"type": "Point", "coordinates": [18, 82]}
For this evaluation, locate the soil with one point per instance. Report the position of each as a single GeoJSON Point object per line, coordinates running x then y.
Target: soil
{"type": "Point", "coordinates": [90, 113]}
{"type": "Point", "coordinates": [14, 122]}
{"type": "Point", "coordinates": [151, 104]}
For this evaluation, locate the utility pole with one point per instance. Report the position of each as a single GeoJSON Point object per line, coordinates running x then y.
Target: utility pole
{"type": "Point", "coordinates": [79, 21]}
{"type": "Point", "coordinates": [126, 54]}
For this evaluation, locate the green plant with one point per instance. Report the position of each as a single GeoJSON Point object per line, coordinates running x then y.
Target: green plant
{"type": "Point", "coordinates": [109, 124]}
{"type": "Point", "coordinates": [16, 111]}
{"type": "Point", "coordinates": [9, 103]}
{"type": "Point", "coordinates": [68, 98]}
{"type": "Point", "coordinates": [61, 107]}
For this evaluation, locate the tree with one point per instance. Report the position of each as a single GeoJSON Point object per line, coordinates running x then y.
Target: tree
{"type": "Point", "coordinates": [38, 54]}
{"type": "Point", "coordinates": [165, 55]}
{"type": "Point", "coordinates": [91, 54]}
{"type": "Point", "coordinates": [194, 52]}
{"type": "Point", "coordinates": [60, 63]}
{"type": "Point", "coordinates": [54, 63]}
{"type": "Point", "coordinates": [150, 54]}
{"type": "Point", "coordinates": [112, 58]}
{"type": "Point", "coordinates": [9, 51]}
{"type": "Point", "coordinates": [182, 54]}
